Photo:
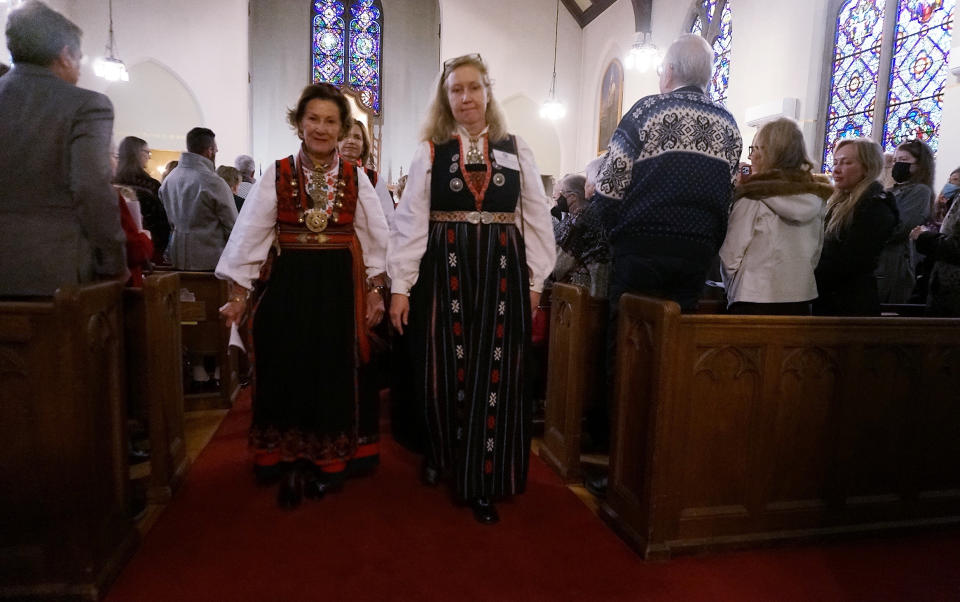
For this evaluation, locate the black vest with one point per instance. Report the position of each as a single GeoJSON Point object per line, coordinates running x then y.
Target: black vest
{"type": "Point", "coordinates": [450, 190]}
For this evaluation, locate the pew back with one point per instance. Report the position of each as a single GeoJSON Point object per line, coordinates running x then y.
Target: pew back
{"type": "Point", "coordinates": [63, 479]}
{"type": "Point", "coordinates": [731, 430]}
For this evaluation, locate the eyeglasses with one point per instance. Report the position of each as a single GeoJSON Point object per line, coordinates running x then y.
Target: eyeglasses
{"type": "Point", "coordinates": [458, 60]}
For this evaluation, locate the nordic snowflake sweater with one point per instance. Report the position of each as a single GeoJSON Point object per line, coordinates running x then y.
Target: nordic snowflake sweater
{"type": "Point", "coordinates": [666, 183]}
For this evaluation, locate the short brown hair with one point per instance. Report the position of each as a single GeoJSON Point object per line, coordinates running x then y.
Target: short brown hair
{"type": "Point", "coordinates": [321, 92]}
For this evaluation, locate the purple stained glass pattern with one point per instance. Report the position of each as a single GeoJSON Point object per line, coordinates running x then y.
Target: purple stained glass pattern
{"type": "Point", "coordinates": [365, 46]}
{"type": "Point", "coordinates": [721, 47]}
{"type": "Point", "coordinates": [918, 72]}
{"type": "Point", "coordinates": [856, 68]}
{"type": "Point", "coordinates": [328, 30]}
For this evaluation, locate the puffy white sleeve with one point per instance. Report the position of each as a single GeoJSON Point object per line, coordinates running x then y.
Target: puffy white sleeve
{"type": "Point", "coordinates": [536, 226]}
{"type": "Point", "coordinates": [371, 226]}
{"type": "Point", "coordinates": [253, 234]}
{"type": "Point", "coordinates": [411, 220]}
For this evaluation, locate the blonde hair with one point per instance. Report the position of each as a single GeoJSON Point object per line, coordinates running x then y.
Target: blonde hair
{"type": "Point", "coordinates": [439, 125]}
{"type": "Point", "coordinates": [783, 146]}
{"type": "Point", "coordinates": [842, 204]}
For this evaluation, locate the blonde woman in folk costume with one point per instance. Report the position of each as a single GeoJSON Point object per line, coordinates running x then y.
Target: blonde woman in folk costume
{"type": "Point", "coordinates": [472, 246]}
{"type": "Point", "coordinates": [306, 263]}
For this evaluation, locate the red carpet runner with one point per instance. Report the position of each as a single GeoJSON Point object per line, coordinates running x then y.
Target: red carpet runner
{"type": "Point", "coordinates": [387, 537]}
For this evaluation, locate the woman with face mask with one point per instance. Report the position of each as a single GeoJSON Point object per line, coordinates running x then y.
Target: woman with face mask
{"type": "Point", "coordinates": [947, 197]}
{"type": "Point", "coordinates": [913, 192]}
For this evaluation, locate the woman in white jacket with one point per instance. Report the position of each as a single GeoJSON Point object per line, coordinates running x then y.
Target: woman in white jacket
{"type": "Point", "coordinates": [775, 231]}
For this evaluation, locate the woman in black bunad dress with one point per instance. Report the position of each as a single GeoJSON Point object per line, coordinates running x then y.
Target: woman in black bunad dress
{"type": "Point", "coordinates": [306, 264]}
{"type": "Point", "coordinates": [471, 248]}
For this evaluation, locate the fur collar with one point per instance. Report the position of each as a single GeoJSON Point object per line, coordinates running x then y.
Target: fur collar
{"type": "Point", "coordinates": [778, 182]}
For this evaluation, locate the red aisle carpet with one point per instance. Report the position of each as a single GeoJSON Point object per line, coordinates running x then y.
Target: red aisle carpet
{"type": "Point", "coordinates": [387, 537]}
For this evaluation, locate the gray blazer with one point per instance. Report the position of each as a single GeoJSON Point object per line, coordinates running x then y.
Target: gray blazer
{"type": "Point", "coordinates": [59, 215]}
{"type": "Point", "coordinates": [201, 211]}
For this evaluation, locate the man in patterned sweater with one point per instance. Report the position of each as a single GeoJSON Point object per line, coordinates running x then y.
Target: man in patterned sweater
{"type": "Point", "coordinates": [664, 189]}
{"type": "Point", "coordinates": [663, 195]}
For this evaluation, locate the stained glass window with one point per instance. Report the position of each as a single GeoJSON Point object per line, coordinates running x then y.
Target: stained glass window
{"type": "Point", "coordinates": [915, 76]}
{"type": "Point", "coordinates": [346, 40]}
{"type": "Point", "coordinates": [918, 72]}
{"type": "Point", "coordinates": [365, 52]}
{"type": "Point", "coordinates": [721, 63]}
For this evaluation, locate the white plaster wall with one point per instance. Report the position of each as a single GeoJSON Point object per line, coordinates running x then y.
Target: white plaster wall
{"type": "Point", "coordinates": [516, 40]}
{"type": "Point", "coordinates": [204, 46]}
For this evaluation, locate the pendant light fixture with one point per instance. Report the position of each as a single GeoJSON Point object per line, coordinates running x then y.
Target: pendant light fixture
{"type": "Point", "coordinates": [552, 108]}
{"type": "Point", "coordinates": [111, 68]}
{"type": "Point", "coordinates": [644, 54]}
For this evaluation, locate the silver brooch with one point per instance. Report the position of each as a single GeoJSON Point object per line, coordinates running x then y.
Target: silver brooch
{"type": "Point", "coordinates": [456, 184]}
{"type": "Point", "coordinates": [498, 179]}
{"type": "Point", "coordinates": [454, 167]}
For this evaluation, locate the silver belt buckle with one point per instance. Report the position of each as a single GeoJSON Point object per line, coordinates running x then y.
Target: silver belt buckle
{"type": "Point", "coordinates": [473, 217]}
{"type": "Point", "coordinates": [486, 217]}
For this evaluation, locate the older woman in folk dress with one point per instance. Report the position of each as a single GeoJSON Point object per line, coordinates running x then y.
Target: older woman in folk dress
{"type": "Point", "coordinates": [471, 249]}
{"type": "Point", "coordinates": [306, 261]}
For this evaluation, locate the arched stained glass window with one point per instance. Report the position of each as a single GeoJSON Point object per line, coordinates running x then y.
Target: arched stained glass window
{"type": "Point", "coordinates": [347, 46]}
{"type": "Point", "coordinates": [721, 46]}
{"type": "Point", "coordinates": [365, 52]}
{"type": "Point", "coordinates": [888, 100]}
{"type": "Point", "coordinates": [919, 72]}
{"type": "Point", "coordinates": [328, 42]}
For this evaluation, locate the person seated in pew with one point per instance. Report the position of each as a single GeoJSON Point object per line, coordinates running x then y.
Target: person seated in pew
{"type": "Point", "coordinates": [775, 230]}
{"type": "Point", "coordinates": [861, 216]}
{"type": "Point", "coordinates": [943, 246]}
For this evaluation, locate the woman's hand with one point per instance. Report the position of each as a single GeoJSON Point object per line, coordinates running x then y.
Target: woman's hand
{"type": "Point", "coordinates": [374, 308]}
{"type": "Point", "coordinates": [916, 232]}
{"type": "Point", "coordinates": [232, 310]}
{"type": "Point", "coordinates": [399, 311]}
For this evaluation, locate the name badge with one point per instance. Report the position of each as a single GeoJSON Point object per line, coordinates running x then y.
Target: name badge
{"type": "Point", "coordinates": [508, 160]}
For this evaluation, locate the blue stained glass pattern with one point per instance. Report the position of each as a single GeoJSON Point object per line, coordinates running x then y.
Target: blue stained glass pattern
{"type": "Point", "coordinates": [856, 63]}
{"type": "Point", "coordinates": [365, 46]}
{"type": "Point", "coordinates": [918, 72]}
{"type": "Point", "coordinates": [328, 30]}
{"type": "Point", "coordinates": [721, 63]}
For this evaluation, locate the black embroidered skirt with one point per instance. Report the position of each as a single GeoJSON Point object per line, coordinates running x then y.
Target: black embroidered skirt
{"type": "Point", "coordinates": [310, 398]}
{"type": "Point", "coordinates": [470, 327]}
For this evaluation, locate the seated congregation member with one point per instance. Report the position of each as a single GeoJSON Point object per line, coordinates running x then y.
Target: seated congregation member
{"type": "Point", "coordinates": [943, 247]}
{"type": "Point", "coordinates": [913, 173]}
{"type": "Point", "coordinates": [59, 220]}
{"type": "Point", "coordinates": [356, 147]}
{"type": "Point", "coordinates": [199, 205]}
{"type": "Point", "coordinates": [231, 176]}
{"type": "Point", "coordinates": [775, 230]}
{"type": "Point", "coordinates": [306, 265]}
{"type": "Point", "coordinates": [133, 155]}
{"type": "Point", "coordinates": [861, 216]}
{"type": "Point", "coordinates": [468, 258]}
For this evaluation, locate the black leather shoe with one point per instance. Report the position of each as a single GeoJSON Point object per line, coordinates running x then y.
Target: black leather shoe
{"type": "Point", "coordinates": [596, 484]}
{"type": "Point", "coordinates": [429, 474]}
{"type": "Point", "coordinates": [484, 511]}
{"type": "Point", "coordinates": [290, 493]}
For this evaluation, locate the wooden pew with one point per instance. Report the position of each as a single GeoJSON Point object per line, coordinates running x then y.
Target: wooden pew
{"type": "Point", "coordinates": [204, 332]}
{"type": "Point", "coordinates": [740, 430]}
{"type": "Point", "coordinates": [63, 476]}
{"type": "Point", "coordinates": [575, 374]}
{"type": "Point", "coordinates": [154, 376]}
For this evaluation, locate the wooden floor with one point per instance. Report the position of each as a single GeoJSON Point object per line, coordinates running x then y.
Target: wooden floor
{"type": "Point", "coordinates": [200, 427]}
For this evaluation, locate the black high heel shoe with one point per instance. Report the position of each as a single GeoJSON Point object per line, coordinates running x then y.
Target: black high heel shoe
{"type": "Point", "coordinates": [290, 493]}
{"type": "Point", "coordinates": [484, 511]}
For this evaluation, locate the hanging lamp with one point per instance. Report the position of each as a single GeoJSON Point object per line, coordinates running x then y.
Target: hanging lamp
{"type": "Point", "coordinates": [111, 68]}
{"type": "Point", "coordinates": [552, 108]}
